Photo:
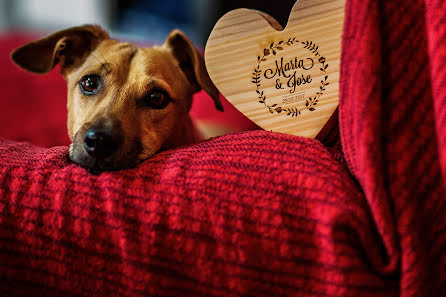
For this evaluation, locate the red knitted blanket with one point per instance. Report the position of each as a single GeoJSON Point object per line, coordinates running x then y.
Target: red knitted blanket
{"type": "Point", "coordinates": [258, 213]}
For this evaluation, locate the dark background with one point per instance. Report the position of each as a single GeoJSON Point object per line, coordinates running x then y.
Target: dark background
{"type": "Point", "coordinates": [140, 17]}
{"type": "Point", "coordinates": [145, 20]}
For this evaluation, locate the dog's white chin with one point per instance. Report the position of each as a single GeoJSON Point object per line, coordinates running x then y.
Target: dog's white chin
{"type": "Point", "coordinates": [70, 150]}
{"type": "Point", "coordinates": [145, 154]}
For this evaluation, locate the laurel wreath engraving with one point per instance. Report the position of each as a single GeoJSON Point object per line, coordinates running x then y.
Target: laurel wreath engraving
{"type": "Point", "coordinates": [273, 49]}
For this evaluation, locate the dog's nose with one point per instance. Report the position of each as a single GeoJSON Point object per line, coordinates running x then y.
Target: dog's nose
{"type": "Point", "coordinates": [99, 143]}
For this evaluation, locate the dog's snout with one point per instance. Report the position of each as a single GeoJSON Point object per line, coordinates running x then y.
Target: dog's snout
{"type": "Point", "coordinates": [100, 143]}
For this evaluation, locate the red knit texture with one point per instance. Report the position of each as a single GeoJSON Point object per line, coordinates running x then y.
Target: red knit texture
{"type": "Point", "coordinates": [258, 213]}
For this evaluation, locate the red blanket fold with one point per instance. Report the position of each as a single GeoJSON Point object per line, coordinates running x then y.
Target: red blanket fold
{"type": "Point", "coordinates": [258, 213]}
{"type": "Point", "coordinates": [392, 121]}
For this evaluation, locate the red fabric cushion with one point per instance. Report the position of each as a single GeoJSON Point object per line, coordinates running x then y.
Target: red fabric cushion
{"type": "Point", "coordinates": [257, 213]}
{"type": "Point", "coordinates": [225, 217]}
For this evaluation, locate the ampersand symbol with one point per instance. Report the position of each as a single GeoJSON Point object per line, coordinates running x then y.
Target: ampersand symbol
{"type": "Point", "coordinates": [278, 84]}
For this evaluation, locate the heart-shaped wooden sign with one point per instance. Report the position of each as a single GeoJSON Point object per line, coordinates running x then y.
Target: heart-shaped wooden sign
{"type": "Point", "coordinates": [283, 80]}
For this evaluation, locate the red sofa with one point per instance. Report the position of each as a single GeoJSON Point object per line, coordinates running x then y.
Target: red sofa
{"type": "Point", "coordinates": [252, 213]}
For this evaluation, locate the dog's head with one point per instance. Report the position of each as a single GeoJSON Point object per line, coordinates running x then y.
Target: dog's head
{"type": "Point", "coordinates": [125, 103]}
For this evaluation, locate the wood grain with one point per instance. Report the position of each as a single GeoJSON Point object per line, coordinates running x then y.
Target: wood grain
{"type": "Point", "coordinates": [284, 80]}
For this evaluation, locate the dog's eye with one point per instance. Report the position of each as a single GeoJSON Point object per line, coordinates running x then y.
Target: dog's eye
{"type": "Point", "coordinates": [90, 84]}
{"type": "Point", "coordinates": [156, 99]}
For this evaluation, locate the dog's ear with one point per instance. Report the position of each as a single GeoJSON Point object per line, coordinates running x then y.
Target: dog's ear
{"type": "Point", "coordinates": [68, 47]}
{"type": "Point", "coordinates": [192, 64]}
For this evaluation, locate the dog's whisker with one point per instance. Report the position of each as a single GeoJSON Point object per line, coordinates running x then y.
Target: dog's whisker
{"type": "Point", "coordinates": [104, 64]}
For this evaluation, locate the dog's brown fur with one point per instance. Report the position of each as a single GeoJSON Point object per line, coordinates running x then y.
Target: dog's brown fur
{"type": "Point", "coordinates": [129, 73]}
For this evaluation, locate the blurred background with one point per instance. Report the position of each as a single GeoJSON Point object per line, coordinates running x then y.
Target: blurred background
{"type": "Point", "coordinates": [33, 108]}
{"type": "Point", "coordinates": [145, 20]}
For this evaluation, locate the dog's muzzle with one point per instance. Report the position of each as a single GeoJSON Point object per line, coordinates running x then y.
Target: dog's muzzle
{"type": "Point", "coordinates": [99, 146]}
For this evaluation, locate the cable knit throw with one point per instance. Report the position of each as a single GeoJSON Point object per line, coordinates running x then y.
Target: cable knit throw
{"type": "Point", "coordinates": [258, 213]}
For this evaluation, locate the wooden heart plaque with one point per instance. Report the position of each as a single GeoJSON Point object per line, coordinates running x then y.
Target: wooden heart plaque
{"type": "Point", "coordinates": [283, 80]}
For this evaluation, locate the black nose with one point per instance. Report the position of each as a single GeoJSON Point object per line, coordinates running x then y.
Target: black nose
{"type": "Point", "coordinates": [99, 143]}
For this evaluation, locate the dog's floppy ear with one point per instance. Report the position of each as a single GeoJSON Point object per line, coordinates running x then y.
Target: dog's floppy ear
{"type": "Point", "coordinates": [67, 47]}
{"type": "Point", "coordinates": [192, 64]}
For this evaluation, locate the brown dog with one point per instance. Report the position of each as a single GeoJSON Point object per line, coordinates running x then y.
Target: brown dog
{"type": "Point", "coordinates": [125, 103]}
